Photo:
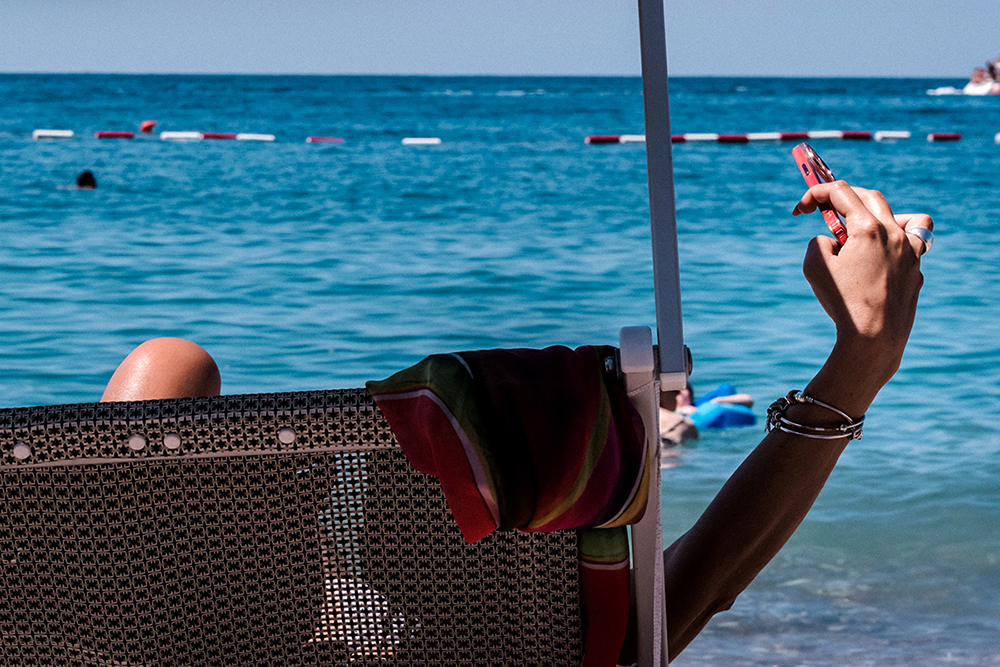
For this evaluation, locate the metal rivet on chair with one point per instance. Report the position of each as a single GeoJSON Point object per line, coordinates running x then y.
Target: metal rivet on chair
{"type": "Point", "coordinates": [286, 436]}
{"type": "Point", "coordinates": [22, 451]}
{"type": "Point", "coordinates": [137, 442]}
{"type": "Point", "coordinates": [171, 441]}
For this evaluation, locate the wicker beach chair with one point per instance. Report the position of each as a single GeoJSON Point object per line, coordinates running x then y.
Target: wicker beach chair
{"type": "Point", "coordinates": [268, 529]}
{"type": "Point", "coordinates": [289, 529]}
{"type": "Point", "coordinates": [273, 529]}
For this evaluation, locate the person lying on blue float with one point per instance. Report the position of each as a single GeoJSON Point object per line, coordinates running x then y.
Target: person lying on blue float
{"type": "Point", "coordinates": [681, 415]}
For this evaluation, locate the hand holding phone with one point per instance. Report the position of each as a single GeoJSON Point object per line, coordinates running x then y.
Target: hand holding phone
{"type": "Point", "coordinates": [815, 171]}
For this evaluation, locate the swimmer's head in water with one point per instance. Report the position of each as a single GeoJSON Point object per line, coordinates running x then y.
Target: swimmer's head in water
{"type": "Point", "coordinates": [671, 400]}
{"type": "Point", "coordinates": [86, 181]}
{"type": "Point", "coordinates": [685, 396]}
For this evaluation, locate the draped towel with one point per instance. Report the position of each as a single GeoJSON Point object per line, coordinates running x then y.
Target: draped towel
{"type": "Point", "coordinates": [537, 440]}
{"type": "Point", "coordinates": [534, 440]}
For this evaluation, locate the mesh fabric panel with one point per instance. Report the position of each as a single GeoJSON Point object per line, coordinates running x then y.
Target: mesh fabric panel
{"type": "Point", "coordinates": [272, 529]}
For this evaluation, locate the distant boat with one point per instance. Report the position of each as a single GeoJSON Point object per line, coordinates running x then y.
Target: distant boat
{"type": "Point", "coordinates": [984, 80]}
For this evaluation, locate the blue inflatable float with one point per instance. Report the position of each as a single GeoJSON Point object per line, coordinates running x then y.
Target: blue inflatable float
{"type": "Point", "coordinates": [711, 415]}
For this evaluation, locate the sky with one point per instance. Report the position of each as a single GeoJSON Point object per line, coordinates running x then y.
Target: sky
{"type": "Point", "coordinates": [880, 38]}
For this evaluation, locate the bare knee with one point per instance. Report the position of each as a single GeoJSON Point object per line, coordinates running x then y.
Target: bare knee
{"type": "Point", "coordinates": [164, 368]}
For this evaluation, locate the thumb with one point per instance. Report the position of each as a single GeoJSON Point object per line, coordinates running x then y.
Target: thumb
{"type": "Point", "coordinates": [821, 250]}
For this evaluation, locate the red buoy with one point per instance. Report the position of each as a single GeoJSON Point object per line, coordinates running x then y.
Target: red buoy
{"type": "Point", "coordinates": [147, 126]}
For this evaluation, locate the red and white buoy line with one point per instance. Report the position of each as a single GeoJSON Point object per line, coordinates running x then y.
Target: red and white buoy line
{"type": "Point", "coordinates": [166, 136]}
{"type": "Point", "coordinates": [146, 128]}
{"type": "Point", "coordinates": [755, 137]}
{"type": "Point", "coordinates": [199, 136]}
{"type": "Point", "coordinates": [691, 138]}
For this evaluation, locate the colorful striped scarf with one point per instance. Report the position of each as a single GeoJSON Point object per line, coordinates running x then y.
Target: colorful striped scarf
{"type": "Point", "coordinates": [537, 440]}
{"type": "Point", "coordinates": [533, 440]}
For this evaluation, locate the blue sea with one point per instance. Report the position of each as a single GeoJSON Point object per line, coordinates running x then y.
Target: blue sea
{"type": "Point", "coordinates": [306, 265]}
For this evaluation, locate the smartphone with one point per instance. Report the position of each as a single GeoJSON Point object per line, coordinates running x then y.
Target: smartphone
{"type": "Point", "coordinates": [815, 171]}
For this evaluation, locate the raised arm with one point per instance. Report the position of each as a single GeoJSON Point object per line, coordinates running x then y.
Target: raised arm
{"type": "Point", "coordinates": [869, 287]}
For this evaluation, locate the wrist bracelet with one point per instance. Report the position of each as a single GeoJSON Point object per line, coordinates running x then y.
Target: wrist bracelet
{"type": "Point", "coordinates": [776, 419]}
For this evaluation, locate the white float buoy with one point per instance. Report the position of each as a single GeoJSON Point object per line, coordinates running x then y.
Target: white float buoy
{"type": "Point", "coordinates": [180, 136]}
{"type": "Point", "coordinates": [52, 134]}
{"type": "Point", "coordinates": [892, 135]}
{"type": "Point", "coordinates": [700, 136]}
{"type": "Point", "coordinates": [825, 134]}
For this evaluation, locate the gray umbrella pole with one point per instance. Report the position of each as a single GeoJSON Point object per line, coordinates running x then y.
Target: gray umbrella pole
{"type": "Point", "coordinates": [662, 210]}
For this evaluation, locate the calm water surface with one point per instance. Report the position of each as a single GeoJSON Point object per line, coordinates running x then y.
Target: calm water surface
{"type": "Point", "coordinates": [305, 266]}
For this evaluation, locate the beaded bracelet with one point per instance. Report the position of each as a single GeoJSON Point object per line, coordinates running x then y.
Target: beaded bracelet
{"type": "Point", "coordinates": [776, 419]}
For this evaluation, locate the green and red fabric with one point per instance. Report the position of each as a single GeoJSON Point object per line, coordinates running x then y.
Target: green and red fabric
{"type": "Point", "coordinates": [533, 440]}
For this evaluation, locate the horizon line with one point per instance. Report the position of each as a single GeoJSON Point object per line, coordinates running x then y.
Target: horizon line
{"type": "Point", "coordinates": [482, 75]}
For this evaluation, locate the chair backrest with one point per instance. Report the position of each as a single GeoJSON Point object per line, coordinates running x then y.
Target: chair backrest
{"type": "Point", "coordinates": [269, 529]}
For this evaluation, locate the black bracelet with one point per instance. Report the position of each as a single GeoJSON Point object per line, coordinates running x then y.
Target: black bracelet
{"type": "Point", "coordinates": [776, 419]}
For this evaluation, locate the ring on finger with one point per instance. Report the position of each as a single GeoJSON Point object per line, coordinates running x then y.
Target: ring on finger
{"type": "Point", "coordinates": [924, 234]}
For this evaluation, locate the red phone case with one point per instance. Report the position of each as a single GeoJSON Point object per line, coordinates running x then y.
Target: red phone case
{"type": "Point", "coordinates": [815, 171]}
